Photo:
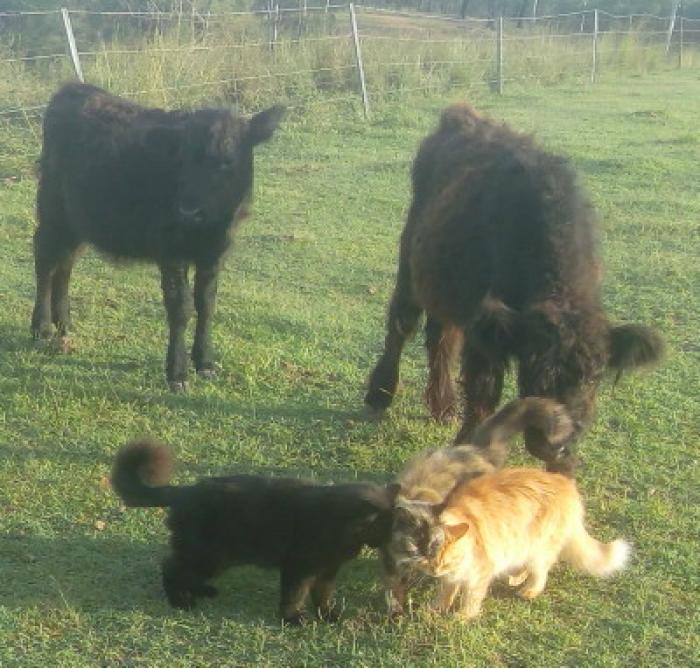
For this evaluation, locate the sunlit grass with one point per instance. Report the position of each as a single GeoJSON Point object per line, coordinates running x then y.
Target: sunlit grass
{"type": "Point", "coordinates": [299, 323]}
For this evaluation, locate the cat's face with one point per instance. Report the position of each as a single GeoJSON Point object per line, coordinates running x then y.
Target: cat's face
{"type": "Point", "coordinates": [420, 540]}
{"type": "Point", "coordinates": [416, 537]}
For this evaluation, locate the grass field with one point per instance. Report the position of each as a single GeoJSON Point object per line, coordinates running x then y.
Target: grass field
{"type": "Point", "coordinates": [299, 324]}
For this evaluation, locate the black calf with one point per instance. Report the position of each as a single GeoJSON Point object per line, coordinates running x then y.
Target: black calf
{"type": "Point", "coordinates": [143, 184]}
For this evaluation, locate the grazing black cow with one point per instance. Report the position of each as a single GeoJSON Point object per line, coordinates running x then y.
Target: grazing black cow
{"type": "Point", "coordinates": [500, 251]}
{"type": "Point", "coordinates": [143, 184]}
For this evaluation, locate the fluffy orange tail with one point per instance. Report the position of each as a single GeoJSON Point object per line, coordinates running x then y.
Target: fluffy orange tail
{"type": "Point", "coordinates": [590, 555]}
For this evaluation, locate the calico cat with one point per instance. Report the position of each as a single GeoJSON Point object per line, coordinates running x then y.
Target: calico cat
{"type": "Point", "coordinates": [516, 522]}
{"type": "Point", "coordinates": [307, 530]}
{"type": "Point", "coordinates": [428, 479]}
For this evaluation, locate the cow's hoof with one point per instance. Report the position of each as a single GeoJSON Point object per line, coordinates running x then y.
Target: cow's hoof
{"type": "Point", "coordinates": [295, 619]}
{"type": "Point", "coordinates": [207, 374]}
{"type": "Point", "coordinates": [372, 414]}
{"type": "Point", "coordinates": [54, 344]}
{"type": "Point", "coordinates": [178, 386]}
{"type": "Point", "coordinates": [444, 415]}
{"type": "Point", "coordinates": [63, 344]}
{"type": "Point", "coordinates": [330, 614]}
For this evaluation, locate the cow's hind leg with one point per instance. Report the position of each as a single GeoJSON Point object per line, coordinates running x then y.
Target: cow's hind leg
{"type": "Point", "coordinates": [54, 254]}
{"type": "Point", "coordinates": [60, 300]}
{"type": "Point", "coordinates": [178, 305]}
{"type": "Point", "coordinates": [482, 380]}
{"type": "Point", "coordinates": [205, 287]}
{"type": "Point", "coordinates": [441, 342]}
{"type": "Point", "coordinates": [404, 314]}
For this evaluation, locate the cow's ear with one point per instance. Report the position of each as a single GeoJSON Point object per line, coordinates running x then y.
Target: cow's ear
{"type": "Point", "coordinates": [633, 346]}
{"type": "Point", "coordinates": [263, 125]}
{"type": "Point", "coordinates": [162, 140]}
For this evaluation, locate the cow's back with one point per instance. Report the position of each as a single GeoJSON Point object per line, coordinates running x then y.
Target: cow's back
{"type": "Point", "coordinates": [116, 194]}
{"type": "Point", "coordinates": [495, 213]}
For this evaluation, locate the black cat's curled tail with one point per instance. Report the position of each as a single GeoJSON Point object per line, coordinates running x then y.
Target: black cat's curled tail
{"type": "Point", "coordinates": [141, 472]}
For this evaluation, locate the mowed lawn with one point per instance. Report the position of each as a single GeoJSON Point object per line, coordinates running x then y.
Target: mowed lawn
{"type": "Point", "coordinates": [299, 324]}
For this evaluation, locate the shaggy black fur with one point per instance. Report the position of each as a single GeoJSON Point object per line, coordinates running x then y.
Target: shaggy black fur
{"type": "Point", "coordinates": [142, 184]}
{"type": "Point", "coordinates": [500, 251]}
{"type": "Point", "coordinates": [305, 529]}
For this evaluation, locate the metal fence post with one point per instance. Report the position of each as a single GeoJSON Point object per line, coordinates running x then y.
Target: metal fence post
{"type": "Point", "coordinates": [671, 25]}
{"type": "Point", "coordinates": [274, 26]}
{"type": "Point", "coordinates": [499, 55]}
{"type": "Point", "coordinates": [358, 59]}
{"type": "Point", "coordinates": [71, 44]}
{"type": "Point", "coordinates": [594, 65]}
{"type": "Point", "coordinates": [680, 43]}
{"type": "Point", "coordinates": [271, 23]}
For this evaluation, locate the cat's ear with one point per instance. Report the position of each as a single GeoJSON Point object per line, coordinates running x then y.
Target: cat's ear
{"type": "Point", "coordinates": [437, 508]}
{"type": "Point", "coordinates": [456, 531]}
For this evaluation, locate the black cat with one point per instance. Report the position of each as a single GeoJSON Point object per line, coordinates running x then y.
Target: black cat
{"type": "Point", "coordinates": [305, 529]}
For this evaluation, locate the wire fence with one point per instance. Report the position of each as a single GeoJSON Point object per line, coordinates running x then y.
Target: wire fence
{"type": "Point", "coordinates": [332, 54]}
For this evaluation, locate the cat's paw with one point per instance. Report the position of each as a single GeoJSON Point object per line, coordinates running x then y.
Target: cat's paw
{"type": "Point", "coordinates": [207, 591]}
{"type": "Point", "coordinates": [442, 606]}
{"type": "Point", "coordinates": [518, 579]}
{"type": "Point", "coordinates": [468, 612]}
{"type": "Point", "coordinates": [528, 593]}
{"type": "Point", "coordinates": [182, 599]}
{"type": "Point", "coordinates": [395, 610]}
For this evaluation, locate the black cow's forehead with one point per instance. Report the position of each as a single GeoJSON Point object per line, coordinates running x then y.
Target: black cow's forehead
{"type": "Point", "coordinates": [215, 132]}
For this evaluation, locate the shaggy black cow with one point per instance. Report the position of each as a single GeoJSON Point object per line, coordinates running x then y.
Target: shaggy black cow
{"type": "Point", "coordinates": [143, 184]}
{"type": "Point", "coordinates": [500, 250]}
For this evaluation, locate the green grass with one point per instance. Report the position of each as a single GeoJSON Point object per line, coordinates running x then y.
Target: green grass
{"type": "Point", "coordinates": [299, 324]}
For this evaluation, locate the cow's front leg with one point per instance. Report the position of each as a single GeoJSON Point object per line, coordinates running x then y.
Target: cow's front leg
{"type": "Point", "coordinates": [482, 380]}
{"type": "Point", "coordinates": [178, 305]}
{"type": "Point", "coordinates": [205, 285]}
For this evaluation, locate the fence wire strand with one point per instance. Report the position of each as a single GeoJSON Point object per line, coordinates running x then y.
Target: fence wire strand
{"type": "Point", "coordinates": [207, 48]}
{"type": "Point", "coordinates": [474, 34]}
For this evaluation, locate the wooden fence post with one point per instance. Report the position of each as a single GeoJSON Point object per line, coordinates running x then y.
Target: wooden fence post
{"type": "Point", "coordinates": [499, 55]}
{"type": "Point", "coordinates": [71, 44]}
{"type": "Point", "coordinates": [358, 59]}
{"type": "Point", "coordinates": [594, 65]}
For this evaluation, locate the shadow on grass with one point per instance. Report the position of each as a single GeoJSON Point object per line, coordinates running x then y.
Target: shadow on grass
{"type": "Point", "coordinates": [82, 574]}
{"type": "Point", "coordinates": [72, 375]}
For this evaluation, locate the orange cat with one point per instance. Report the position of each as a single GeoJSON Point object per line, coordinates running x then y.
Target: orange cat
{"type": "Point", "coordinates": [515, 522]}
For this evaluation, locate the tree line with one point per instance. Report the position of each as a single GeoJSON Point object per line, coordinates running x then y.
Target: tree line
{"type": "Point", "coordinates": [478, 8]}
